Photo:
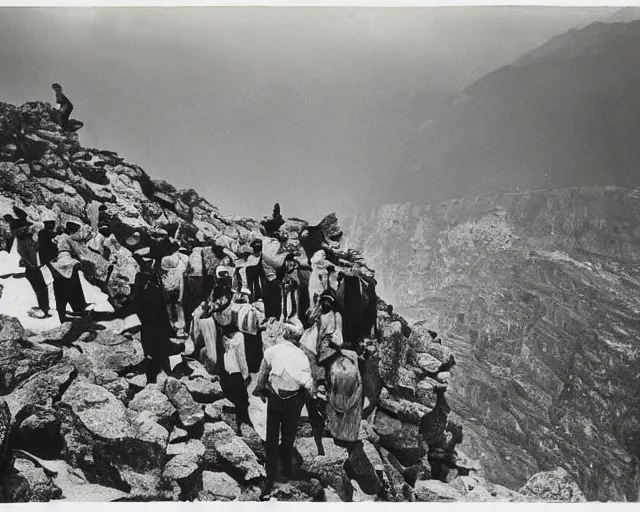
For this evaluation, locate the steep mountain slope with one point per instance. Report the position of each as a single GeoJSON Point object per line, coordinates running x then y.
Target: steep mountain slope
{"type": "Point", "coordinates": [566, 114]}
{"type": "Point", "coordinates": [539, 296]}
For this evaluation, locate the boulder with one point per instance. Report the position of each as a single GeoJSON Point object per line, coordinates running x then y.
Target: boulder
{"type": "Point", "coordinates": [203, 389]}
{"type": "Point", "coordinates": [392, 349]}
{"type": "Point", "coordinates": [435, 490]}
{"type": "Point", "coordinates": [254, 441]}
{"type": "Point", "coordinates": [20, 360]}
{"type": "Point", "coordinates": [427, 363]}
{"type": "Point", "coordinates": [328, 468]}
{"type": "Point", "coordinates": [39, 433]}
{"type": "Point", "coordinates": [27, 482]}
{"type": "Point", "coordinates": [298, 490]}
{"type": "Point", "coordinates": [218, 486]}
{"type": "Point", "coordinates": [556, 486]}
{"type": "Point", "coordinates": [110, 351]}
{"type": "Point", "coordinates": [189, 411]}
{"type": "Point", "coordinates": [221, 410]}
{"type": "Point", "coordinates": [10, 329]}
{"type": "Point", "coordinates": [106, 442]}
{"type": "Point", "coordinates": [400, 438]}
{"type": "Point", "coordinates": [185, 471]}
{"type": "Point", "coordinates": [152, 400]}
{"type": "Point", "coordinates": [178, 435]}
{"type": "Point", "coordinates": [192, 447]}
{"type": "Point", "coordinates": [426, 392]}
{"type": "Point", "coordinates": [231, 452]}
{"type": "Point", "coordinates": [402, 409]}
{"type": "Point", "coordinates": [40, 389]}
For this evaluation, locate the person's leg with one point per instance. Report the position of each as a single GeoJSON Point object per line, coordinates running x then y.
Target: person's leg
{"type": "Point", "coordinates": [76, 294]}
{"type": "Point", "coordinates": [60, 292]}
{"type": "Point", "coordinates": [272, 441]}
{"type": "Point", "coordinates": [317, 423]}
{"type": "Point", "coordinates": [36, 280]}
{"type": "Point", "coordinates": [289, 429]}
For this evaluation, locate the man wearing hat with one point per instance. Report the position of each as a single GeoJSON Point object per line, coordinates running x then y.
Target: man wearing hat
{"type": "Point", "coordinates": [47, 249]}
{"type": "Point", "coordinates": [147, 301]}
{"type": "Point", "coordinates": [263, 281]}
{"type": "Point", "coordinates": [67, 287]}
{"type": "Point", "coordinates": [284, 381]}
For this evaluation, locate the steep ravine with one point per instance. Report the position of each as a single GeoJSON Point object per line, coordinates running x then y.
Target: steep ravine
{"type": "Point", "coordinates": [538, 295]}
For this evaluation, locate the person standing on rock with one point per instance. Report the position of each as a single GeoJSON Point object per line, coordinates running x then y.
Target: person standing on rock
{"type": "Point", "coordinates": [172, 272]}
{"type": "Point", "coordinates": [28, 251]}
{"type": "Point", "coordinates": [47, 249]}
{"type": "Point", "coordinates": [67, 288]}
{"type": "Point", "coordinates": [263, 282]}
{"type": "Point", "coordinates": [284, 380]}
{"type": "Point", "coordinates": [65, 107]}
{"type": "Point", "coordinates": [147, 301]}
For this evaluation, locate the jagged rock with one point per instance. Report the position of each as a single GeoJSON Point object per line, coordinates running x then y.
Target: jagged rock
{"type": "Point", "coordinates": [232, 452]}
{"type": "Point", "coordinates": [118, 386]}
{"type": "Point", "coordinates": [402, 409]}
{"type": "Point", "coordinates": [110, 351]}
{"type": "Point", "coordinates": [103, 441]}
{"type": "Point", "coordinates": [444, 377]}
{"type": "Point", "coordinates": [152, 400]}
{"type": "Point", "coordinates": [435, 490]}
{"type": "Point", "coordinates": [189, 411]}
{"type": "Point", "coordinates": [298, 490]}
{"type": "Point", "coordinates": [137, 382]}
{"type": "Point", "coordinates": [192, 447]}
{"type": "Point", "coordinates": [328, 468]}
{"type": "Point", "coordinates": [221, 410]}
{"type": "Point", "coordinates": [401, 439]}
{"type": "Point", "coordinates": [254, 442]}
{"type": "Point", "coordinates": [396, 488]}
{"type": "Point", "coordinates": [55, 336]}
{"type": "Point", "coordinates": [218, 486]}
{"type": "Point", "coordinates": [20, 360]}
{"type": "Point", "coordinates": [39, 433]}
{"type": "Point", "coordinates": [178, 435]}
{"type": "Point", "coordinates": [393, 350]}
{"type": "Point", "coordinates": [184, 470]}
{"type": "Point", "coordinates": [427, 363]}
{"type": "Point", "coordinates": [5, 430]}
{"type": "Point", "coordinates": [426, 392]}
{"type": "Point", "coordinates": [203, 390]}
{"type": "Point", "coordinates": [40, 389]}
{"type": "Point", "coordinates": [10, 329]}
{"type": "Point", "coordinates": [554, 485]}
{"type": "Point", "coordinates": [28, 482]}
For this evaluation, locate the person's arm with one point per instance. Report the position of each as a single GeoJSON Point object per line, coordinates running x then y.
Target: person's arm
{"type": "Point", "coordinates": [263, 378]}
{"type": "Point", "coordinates": [242, 358]}
{"type": "Point", "coordinates": [305, 379]}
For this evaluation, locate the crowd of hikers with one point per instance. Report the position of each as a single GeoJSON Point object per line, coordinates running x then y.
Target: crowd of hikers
{"type": "Point", "coordinates": [285, 329]}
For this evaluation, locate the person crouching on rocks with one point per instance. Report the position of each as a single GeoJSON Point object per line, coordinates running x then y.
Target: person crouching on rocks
{"type": "Point", "coordinates": [65, 107]}
{"type": "Point", "coordinates": [147, 301]}
{"type": "Point", "coordinates": [67, 288]}
{"type": "Point", "coordinates": [284, 379]}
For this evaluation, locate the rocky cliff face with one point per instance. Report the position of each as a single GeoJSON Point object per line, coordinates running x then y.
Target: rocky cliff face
{"type": "Point", "coordinates": [538, 296]}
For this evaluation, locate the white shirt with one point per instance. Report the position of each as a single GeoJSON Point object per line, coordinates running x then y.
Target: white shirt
{"type": "Point", "coordinates": [235, 360]}
{"type": "Point", "coordinates": [288, 367]}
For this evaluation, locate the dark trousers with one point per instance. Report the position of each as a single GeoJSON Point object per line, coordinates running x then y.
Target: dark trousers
{"type": "Point", "coordinates": [63, 116]}
{"type": "Point", "coordinates": [36, 280]}
{"type": "Point", "coordinates": [154, 366]}
{"type": "Point", "coordinates": [193, 296]}
{"type": "Point", "coordinates": [282, 418]}
{"type": "Point", "coordinates": [253, 351]}
{"type": "Point", "coordinates": [68, 291]}
{"type": "Point", "coordinates": [234, 389]}
{"type": "Point", "coordinates": [254, 282]}
{"type": "Point", "coordinates": [272, 299]}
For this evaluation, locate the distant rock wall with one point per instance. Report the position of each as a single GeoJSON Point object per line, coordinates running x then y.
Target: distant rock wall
{"type": "Point", "coordinates": [538, 296]}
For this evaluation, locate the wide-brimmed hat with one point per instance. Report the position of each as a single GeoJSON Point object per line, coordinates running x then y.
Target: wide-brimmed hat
{"type": "Point", "coordinates": [143, 254]}
{"type": "Point", "coordinates": [223, 272]}
{"type": "Point", "coordinates": [73, 224]}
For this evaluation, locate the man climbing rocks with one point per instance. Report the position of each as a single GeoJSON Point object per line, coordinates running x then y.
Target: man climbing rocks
{"type": "Point", "coordinates": [65, 107]}
{"type": "Point", "coordinates": [28, 252]}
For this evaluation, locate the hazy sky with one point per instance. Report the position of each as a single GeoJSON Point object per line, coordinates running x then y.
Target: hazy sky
{"type": "Point", "coordinates": [250, 106]}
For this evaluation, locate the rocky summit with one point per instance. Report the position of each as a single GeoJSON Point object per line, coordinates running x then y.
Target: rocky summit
{"type": "Point", "coordinates": [78, 421]}
{"type": "Point", "coordinates": [537, 294]}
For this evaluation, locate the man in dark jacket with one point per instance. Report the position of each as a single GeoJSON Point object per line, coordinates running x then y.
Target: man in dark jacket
{"type": "Point", "coordinates": [147, 301]}
{"type": "Point", "coordinates": [47, 248]}
{"type": "Point", "coordinates": [65, 106]}
{"type": "Point", "coordinates": [28, 252]}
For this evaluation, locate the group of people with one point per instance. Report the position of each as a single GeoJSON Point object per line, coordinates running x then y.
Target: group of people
{"type": "Point", "coordinates": [51, 247]}
{"type": "Point", "coordinates": [227, 303]}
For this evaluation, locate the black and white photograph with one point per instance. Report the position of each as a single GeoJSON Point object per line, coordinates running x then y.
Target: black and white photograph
{"type": "Point", "coordinates": [319, 254]}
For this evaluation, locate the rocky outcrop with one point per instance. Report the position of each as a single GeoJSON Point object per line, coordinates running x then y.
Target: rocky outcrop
{"type": "Point", "coordinates": [537, 295]}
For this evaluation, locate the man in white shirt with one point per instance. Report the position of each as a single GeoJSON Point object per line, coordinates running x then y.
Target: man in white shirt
{"type": "Point", "coordinates": [284, 378]}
